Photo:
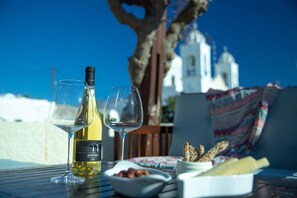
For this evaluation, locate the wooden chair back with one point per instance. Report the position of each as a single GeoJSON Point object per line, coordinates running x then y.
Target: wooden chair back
{"type": "Point", "coordinates": [145, 141]}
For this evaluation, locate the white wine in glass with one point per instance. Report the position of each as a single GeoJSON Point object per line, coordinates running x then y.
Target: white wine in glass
{"type": "Point", "coordinates": [123, 111]}
{"type": "Point", "coordinates": [69, 112]}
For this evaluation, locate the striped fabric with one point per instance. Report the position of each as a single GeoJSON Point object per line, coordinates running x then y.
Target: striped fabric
{"type": "Point", "coordinates": [238, 115]}
{"type": "Point", "coordinates": [167, 162]}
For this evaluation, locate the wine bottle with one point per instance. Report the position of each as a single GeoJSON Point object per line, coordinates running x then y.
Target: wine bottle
{"type": "Point", "coordinates": [87, 148]}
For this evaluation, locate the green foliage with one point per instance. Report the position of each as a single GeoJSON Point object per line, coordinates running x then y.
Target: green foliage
{"type": "Point", "coordinates": [168, 110]}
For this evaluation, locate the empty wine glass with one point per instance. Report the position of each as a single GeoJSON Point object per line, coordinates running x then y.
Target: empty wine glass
{"type": "Point", "coordinates": [69, 112]}
{"type": "Point", "coordinates": [123, 111]}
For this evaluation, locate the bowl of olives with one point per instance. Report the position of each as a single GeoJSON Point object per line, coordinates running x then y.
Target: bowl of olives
{"type": "Point", "coordinates": [132, 180]}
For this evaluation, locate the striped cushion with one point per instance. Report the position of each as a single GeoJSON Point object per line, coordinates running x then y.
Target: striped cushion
{"type": "Point", "coordinates": [238, 115]}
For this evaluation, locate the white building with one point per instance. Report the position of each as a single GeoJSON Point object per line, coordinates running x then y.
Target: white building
{"type": "Point", "coordinates": [21, 109]}
{"type": "Point", "coordinates": [191, 71]}
{"type": "Point", "coordinates": [227, 68]}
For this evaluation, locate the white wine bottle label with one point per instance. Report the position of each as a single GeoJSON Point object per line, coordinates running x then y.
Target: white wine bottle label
{"type": "Point", "coordinates": [88, 150]}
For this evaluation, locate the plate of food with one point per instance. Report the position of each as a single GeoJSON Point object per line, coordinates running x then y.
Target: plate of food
{"type": "Point", "coordinates": [231, 178]}
{"type": "Point", "coordinates": [141, 181]}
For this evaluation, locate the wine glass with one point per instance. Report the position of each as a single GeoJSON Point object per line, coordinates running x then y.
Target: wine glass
{"type": "Point", "coordinates": [69, 112]}
{"type": "Point", "coordinates": [123, 111]}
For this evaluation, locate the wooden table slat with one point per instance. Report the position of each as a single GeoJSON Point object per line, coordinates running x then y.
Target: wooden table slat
{"type": "Point", "coordinates": [34, 182]}
{"type": "Point", "coordinates": [288, 192]}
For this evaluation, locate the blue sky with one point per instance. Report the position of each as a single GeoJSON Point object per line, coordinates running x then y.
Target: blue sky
{"type": "Point", "coordinates": [36, 36]}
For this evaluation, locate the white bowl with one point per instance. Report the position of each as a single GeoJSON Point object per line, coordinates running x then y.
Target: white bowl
{"type": "Point", "coordinates": [184, 167]}
{"type": "Point", "coordinates": [146, 186]}
{"type": "Point", "coordinates": [191, 185]}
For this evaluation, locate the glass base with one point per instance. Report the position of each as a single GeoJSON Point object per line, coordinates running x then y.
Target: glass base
{"type": "Point", "coordinates": [68, 178]}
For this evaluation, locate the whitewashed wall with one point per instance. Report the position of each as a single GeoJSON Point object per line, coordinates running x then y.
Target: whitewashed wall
{"type": "Point", "coordinates": [33, 142]}
{"type": "Point", "coordinates": [33, 139]}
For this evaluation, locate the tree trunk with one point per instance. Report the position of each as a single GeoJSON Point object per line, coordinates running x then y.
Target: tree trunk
{"type": "Point", "coordinates": [151, 86]}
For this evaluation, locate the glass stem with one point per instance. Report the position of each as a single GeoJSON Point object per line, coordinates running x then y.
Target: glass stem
{"type": "Point", "coordinates": [123, 135]}
{"type": "Point", "coordinates": [69, 157]}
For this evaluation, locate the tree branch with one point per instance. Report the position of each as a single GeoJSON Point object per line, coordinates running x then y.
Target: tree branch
{"type": "Point", "coordinates": [140, 3]}
{"type": "Point", "coordinates": [192, 11]}
{"type": "Point", "coordinates": [124, 17]}
{"type": "Point", "coordinates": [145, 30]}
{"type": "Point", "coordinates": [139, 60]}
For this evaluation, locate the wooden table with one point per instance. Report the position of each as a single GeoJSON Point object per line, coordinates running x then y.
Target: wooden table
{"type": "Point", "coordinates": [34, 182]}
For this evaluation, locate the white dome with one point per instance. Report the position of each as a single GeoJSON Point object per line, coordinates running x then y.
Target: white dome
{"type": "Point", "coordinates": [226, 57]}
{"type": "Point", "coordinates": [194, 36]}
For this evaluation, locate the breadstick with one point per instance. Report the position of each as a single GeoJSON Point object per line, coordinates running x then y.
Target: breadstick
{"type": "Point", "coordinates": [200, 151]}
{"type": "Point", "coordinates": [193, 154]}
{"type": "Point", "coordinates": [190, 153]}
{"type": "Point", "coordinates": [219, 147]}
{"type": "Point", "coordinates": [186, 152]}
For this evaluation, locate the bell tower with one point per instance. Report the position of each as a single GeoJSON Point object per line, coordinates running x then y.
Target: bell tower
{"type": "Point", "coordinates": [196, 59]}
{"type": "Point", "coordinates": [228, 69]}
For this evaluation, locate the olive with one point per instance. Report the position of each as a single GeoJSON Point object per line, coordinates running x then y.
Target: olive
{"type": "Point", "coordinates": [132, 173]}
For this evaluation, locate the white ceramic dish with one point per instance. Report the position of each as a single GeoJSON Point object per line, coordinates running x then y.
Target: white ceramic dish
{"type": "Point", "coordinates": [146, 186]}
{"type": "Point", "coordinates": [213, 186]}
{"type": "Point", "coordinates": [184, 167]}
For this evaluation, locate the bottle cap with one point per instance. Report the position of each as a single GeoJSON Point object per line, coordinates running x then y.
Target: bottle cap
{"type": "Point", "coordinates": [90, 76]}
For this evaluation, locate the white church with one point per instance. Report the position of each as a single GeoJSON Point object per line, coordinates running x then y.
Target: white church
{"type": "Point", "coordinates": [191, 71]}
